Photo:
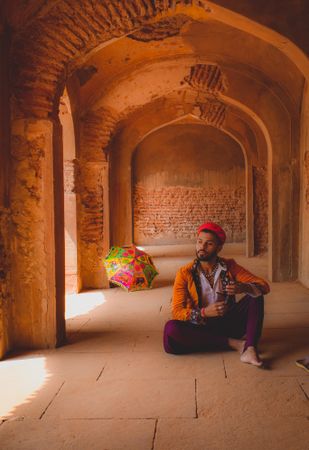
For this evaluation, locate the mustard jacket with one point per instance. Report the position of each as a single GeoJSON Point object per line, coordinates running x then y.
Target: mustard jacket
{"type": "Point", "coordinates": [185, 297]}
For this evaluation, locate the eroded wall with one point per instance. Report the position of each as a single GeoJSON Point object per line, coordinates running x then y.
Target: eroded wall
{"type": "Point", "coordinates": [304, 209]}
{"type": "Point", "coordinates": [260, 209]}
{"type": "Point", "coordinates": [184, 175]}
{"type": "Point", "coordinates": [69, 170]}
{"type": "Point", "coordinates": [5, 260]}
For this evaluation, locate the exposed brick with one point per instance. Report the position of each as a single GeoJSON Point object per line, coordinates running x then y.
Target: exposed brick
{"type": "Point", "coordinates": [66, 31]}
{"type": "Point", "coordinates": [175, 212]}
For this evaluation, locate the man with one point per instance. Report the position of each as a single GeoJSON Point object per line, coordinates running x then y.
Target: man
{"type": "Point", "coordinates": [205, 313]}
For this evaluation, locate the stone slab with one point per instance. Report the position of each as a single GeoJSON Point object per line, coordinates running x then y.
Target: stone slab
{"type": "Point", "coordinates": [77, 434]}
{"type": "Point", "coordinates": [226, 433]}
{"type": "Point", "coordinates": [151, 366]}
{"type": "Point", "coordinates": [49, 365]}
{"type": "Point", "coordinates": [286, 320]}
{"type": "Point", "coordinates": [304, 385]}
{"type": "Point", "coordinates": [251, 396]}
{"type": "Point", "coordinates": [125, 399]}
{"type": "Point", "coordinates": [28, 398]}
{"type": "Point", "coordinates": [99, 341]}
{"type": "Point", "coordinates": [279, 359]}
{"type": "Point", "coordinates": [149, 341]}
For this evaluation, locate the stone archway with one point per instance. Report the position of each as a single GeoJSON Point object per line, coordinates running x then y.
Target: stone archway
{"type": "Point", "coordinates": [41, 72]}
{"type": "Point", "coordinates": [182, 175]}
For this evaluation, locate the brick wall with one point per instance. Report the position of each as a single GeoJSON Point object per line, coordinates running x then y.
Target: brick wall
{"type": "Point", "coordinates": [171, 214]}
{"type": "Point", "coordinates": [260, 209]}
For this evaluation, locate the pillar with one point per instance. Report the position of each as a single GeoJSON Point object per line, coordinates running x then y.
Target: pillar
{"type": "Point", "coordinates": [304, 203]}
{"type": "Point", "coordinates": [92, 223]}
{"type": "Point", "coordinates": [36, 261]}
{"type": "Point", "coordinates": [5, 263]}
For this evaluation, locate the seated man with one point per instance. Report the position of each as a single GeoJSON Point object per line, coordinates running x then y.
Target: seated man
{"type": "Point", "coordinates": [205, 312]}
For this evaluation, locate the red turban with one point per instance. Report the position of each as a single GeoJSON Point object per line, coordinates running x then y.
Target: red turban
{"type": "Point", "coordinates": [216, 229]}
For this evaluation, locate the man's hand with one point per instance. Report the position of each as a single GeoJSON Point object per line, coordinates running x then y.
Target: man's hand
{"type": "Point", "coordinates": [217, 309]}
{"type": "Point", "coordinates": [236, 288]}
{"type": "Point", "coordinates": [240, 288]}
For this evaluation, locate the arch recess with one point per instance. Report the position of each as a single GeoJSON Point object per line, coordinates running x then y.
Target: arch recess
{"type": "Point", "coordinates": [44, 54]}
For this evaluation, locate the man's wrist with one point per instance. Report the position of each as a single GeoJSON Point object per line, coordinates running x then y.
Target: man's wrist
{"type": "Point", "coordinates": [203, 313]}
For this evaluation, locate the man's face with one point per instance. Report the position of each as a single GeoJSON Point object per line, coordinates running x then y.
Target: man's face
{"type": "Point", "coordinates": [207, 246]}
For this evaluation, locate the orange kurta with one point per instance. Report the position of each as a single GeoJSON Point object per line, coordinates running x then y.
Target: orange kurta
{"type": "Point", "coordinates": [185, 296]}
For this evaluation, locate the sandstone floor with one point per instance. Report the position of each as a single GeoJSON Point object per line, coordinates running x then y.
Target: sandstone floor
{"type": "Point", "coordinates": [113, 387]}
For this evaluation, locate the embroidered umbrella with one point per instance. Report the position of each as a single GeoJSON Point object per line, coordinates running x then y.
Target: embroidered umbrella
{"type": "Point", "coordinates": [130, 268]}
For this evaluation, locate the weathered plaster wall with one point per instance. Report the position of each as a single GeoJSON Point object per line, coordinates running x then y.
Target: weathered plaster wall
{"type": "Point", "coordinates": [93, 221]}
{"type": "Point", "coordinates": [184, 175]}
{"type": "Point", "coordinates": [5, 279]}
{"type": "Point", "coordinates": [304, 209]}
{"type": "Point", "coordinates": [5, 260]}
{"type": "Point", "coordinates": [33, 234]}
{"type": "Point", "coordinates": [260, 209]}
{"type": "Point", "coordinates": [69, 166]}
{"type": "Point", "coordinates": [58, 38]}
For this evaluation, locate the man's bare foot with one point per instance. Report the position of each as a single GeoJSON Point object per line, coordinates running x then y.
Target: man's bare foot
{"type": "Point", "coordinates": [250, 356]}
{"type": "Point", "coordinates": [237, 344]}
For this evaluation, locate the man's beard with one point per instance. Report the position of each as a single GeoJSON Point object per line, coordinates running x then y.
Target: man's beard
{"type": "Point", "coordinates": [206, 257]}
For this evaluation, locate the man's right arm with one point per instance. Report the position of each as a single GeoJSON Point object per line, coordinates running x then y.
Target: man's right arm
{"type": "Point", "coordinates": [182, 304]}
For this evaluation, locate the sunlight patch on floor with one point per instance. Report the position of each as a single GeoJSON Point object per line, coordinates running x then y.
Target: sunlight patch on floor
{"type": "Point", "coordinates": [28, 375]}
{"type": "Point", "coordinates": [83, 303]}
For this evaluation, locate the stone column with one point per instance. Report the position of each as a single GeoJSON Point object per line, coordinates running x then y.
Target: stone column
{"type": "Point", "coordinates": [283, 200]}
{"type": "Point", "coordinates": [304, 203]}
{"type": "Point", "coordinates": [260, 207]}
{"type": "Point", "coordinates": [71, 281]}
{"type": "Point", "coordinates": [5, 299]}
{"type": "Point", "coordinates": [93, 223]}
{"type": "Point", "coordinates": [5, 278]}
{"type": "Point", "coordinates": [33, 235]}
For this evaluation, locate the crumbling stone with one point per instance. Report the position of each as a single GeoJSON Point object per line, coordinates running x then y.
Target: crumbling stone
{"type": "Point", "coordinates": [260, 209]}
{"type": "Point", "coordinates": [175, 212]}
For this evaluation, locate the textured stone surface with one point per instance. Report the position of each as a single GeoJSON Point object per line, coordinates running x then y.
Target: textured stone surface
{"type": "Point", "coordinates": [245, 407]}
{"type": "Point", "coordinates": [97, 128]}
{"type": "Point", "coordinates": [306, 161]}
{"type": "Point", "coordinates": [175, 212]}
{"type": "Point", "coordinates": [260, 209]}
{"type": "Point", "coordinates": [92, 203]}
{"type": "Point", "coordinates": [207, 78]}
{"type": "Point", "coordinates": [160, 30]}
{"type": "Point", "coordinates": [209, 82]}
{"type": "Point", "coordinates": [50, 434]}
{"type": "Point", "coordinates": [72, 29]}
{"type": "Point", "coordinates": [116, 398]}
{"type": "Point", "coordinates": [32, 227]}
{"type": "Point", "coordinates": [70, 169]}
{"type": "Point", "coordinates": [5, 278]}
{"type": "Point", "coordinates": [225, 433]}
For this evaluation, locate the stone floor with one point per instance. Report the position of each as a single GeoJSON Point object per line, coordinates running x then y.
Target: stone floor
{"type": "Point", "coordinates": [113, 387]}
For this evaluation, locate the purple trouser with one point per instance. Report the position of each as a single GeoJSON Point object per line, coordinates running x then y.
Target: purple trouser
{"type": "Point", "coordinates": [243, 318]}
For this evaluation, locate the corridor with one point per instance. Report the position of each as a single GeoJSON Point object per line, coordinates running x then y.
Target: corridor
{"type": "Point", "coordinates": [112, 386]}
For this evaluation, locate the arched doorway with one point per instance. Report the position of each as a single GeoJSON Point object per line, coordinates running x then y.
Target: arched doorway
{"type": "Point", "coordinates": [182, 176]}
{"type": "Point", "coordinates": [69, 170]}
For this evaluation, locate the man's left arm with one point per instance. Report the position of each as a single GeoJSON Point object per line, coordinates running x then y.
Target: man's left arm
{"type": "Point", "coordinates": [246, 282]}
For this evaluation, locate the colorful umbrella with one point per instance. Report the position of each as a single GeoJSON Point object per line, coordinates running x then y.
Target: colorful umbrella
{"type": "Point", "coordinates": [130, 268]}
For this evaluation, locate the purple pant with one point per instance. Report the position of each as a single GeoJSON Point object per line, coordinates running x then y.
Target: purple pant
{"type": "Point", "coordinates": [243, 318]}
